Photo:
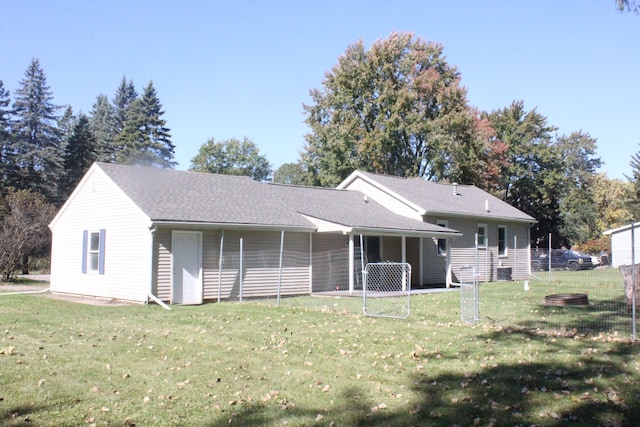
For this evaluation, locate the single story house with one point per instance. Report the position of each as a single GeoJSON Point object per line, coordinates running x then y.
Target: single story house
{"type": "Point", "coordinates": [139, 234]}
{"type": "Point", "coordinates": [621, 244]}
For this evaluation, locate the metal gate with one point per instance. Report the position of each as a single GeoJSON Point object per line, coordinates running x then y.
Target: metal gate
{"type": "Point", "coordinates": [469, 295]}
{"type": "Point", "coordinates": [387, 289]}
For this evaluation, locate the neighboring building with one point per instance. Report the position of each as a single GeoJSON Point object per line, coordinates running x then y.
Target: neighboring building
{"type": "Point", "coordinates": [621, 244]}
{"type": "Point", "coordinates": [139, 234]}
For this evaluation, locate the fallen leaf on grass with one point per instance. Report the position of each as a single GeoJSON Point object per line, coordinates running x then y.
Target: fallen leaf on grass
{"type": "Point", "coordinates": [8, 351]}
{"type": "Point", "coordinates": [378, 407]}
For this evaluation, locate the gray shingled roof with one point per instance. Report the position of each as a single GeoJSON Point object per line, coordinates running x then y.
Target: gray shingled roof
{"type": "Point", "coordinates": [166, 195]}
{"type": "Point", "coordinates": [437, 198]}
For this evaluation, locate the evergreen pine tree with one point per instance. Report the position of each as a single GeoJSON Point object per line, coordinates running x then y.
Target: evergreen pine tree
{"type": "Point", "coordinates": [155, 127]}
{"type": "Point", "coordinates": [102, 124]}
{"type": "Point", "coordinates": [66, 122]}
{"type": "Point", "coordinates": [65, 126]}
{"type": "Point", "coordinates": [35, 147]}
{"type": "Point", "coordinates": [145, 139]}
{"type": "Point", "coordinates": [125, 95]}
{"type": "Point", "coordinates": [5, 130]}
{"type": "Point", "coordinates": [79, 154]}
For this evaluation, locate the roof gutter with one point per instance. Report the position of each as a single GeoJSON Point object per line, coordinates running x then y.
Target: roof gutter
{"type": "Point", "coordinates": [483, 217]}
{"type": "Point", "coordinates": [234, 226]}
{"type": "Point", "coordinates": [411, 233]}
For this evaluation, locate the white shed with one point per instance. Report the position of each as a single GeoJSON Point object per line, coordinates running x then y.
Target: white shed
{"type": "Point", "coordinates": [621, 247]}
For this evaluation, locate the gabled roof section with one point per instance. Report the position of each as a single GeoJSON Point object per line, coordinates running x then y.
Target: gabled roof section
{"type": "Point", "coordinates": [434, 198]}
{"type": "Point", "coordinates": [622, 228]}
{"type": "Point", "coordinates": [167, 195]}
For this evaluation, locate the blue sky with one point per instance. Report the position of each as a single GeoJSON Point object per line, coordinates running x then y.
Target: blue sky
{"type": "Point", "coordinates": [237, 68]}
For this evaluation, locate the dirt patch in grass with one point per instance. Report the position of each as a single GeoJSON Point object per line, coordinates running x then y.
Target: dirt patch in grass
{"type": "Point", "coordinates": [39, 284]}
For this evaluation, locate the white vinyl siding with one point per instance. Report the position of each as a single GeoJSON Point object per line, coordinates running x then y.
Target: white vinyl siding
{"type": "Point", "coordinates": [100, 205]}
{"type": "Point", "coordinates": [162, 263]}
{"type": "Point", "coordinates": [621, 245]}
{"type": "Point", "coordinates": [462, 250]}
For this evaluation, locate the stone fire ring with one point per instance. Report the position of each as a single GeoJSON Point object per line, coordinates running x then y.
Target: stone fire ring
{"type": "Point", "coordinates": [566, 299]}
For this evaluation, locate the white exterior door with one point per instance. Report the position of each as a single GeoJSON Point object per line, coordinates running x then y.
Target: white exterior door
{"type": "Point", "coordinates": [186, 247]}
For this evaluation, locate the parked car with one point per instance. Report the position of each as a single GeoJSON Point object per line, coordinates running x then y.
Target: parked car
{"type": "Point", "coordinates": [562, 259]}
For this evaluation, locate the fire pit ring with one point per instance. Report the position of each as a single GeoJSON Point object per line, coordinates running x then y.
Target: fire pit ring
{"type": "Point", "coordinates": [566, 299]}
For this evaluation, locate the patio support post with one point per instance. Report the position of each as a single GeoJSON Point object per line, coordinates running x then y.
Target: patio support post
{"type": "Point", "coordinates": [633, 280]}
{"type": "Point", "coordinates": [515, 258]}
{"type": "Point", "coordinates": [280, 266]}
{"type": "Point", "coordinates": [362, 266]}
{"type": "Point", "coordinates": [549, 257]}
{"type": "Point", "coordinates": [404, 260]}
{"type": "Point", "coordinates": [220, 258]}
{"type": "Point", "coordinates": [241, 272]}
{"type": "Point", "coordinates": [421, 262]}
{"type": "Point", "coordinates": [351, 264]}
{"type": "Point", "coordinates": [310, 263]}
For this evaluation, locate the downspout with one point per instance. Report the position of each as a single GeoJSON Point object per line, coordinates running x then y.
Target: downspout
{"type": "Point", "coordinates": [150, 294]}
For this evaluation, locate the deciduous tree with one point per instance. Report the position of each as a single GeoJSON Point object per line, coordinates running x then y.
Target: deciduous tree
{"type": "Point", "coordinates": [24, 217]}
{"type": "Point", "coordinates": [399, 109]}
{"type": "Point", "coordinates": [578, 205]}
{"type": "Point", "coordinates": [232, 157]}
{"type": "Point", "coordinates": [291, 173]}
{"type": "Point", "coordinates": [610, 196]}
{"type": "Point", "coordinates": [633, 197]}
{"type": "Point", "coordinates": [532, 178]}
{"type": "Point", "coordinates": [628, 6]}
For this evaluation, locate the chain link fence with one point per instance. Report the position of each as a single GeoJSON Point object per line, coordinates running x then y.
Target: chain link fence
{"type": "Point", "coordinates": [587, 298]}
{"type": "Point", "coordinates": [566, 292]}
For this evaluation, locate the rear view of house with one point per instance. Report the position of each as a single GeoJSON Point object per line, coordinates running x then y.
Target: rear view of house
{"type": "Point", "coordinates": [139, 234]}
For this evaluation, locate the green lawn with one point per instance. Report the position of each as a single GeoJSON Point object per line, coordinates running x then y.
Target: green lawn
{"type": "Point", "coordinates": [249, 363]}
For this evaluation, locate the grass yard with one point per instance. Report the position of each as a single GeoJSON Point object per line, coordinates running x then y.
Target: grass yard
{"type": "Point", "coordinates": [68, 364]}
{"type": "Point", "coordinates": [506, 303]}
